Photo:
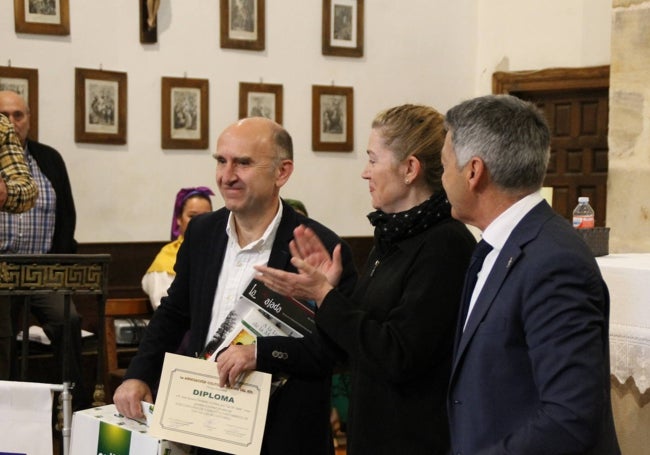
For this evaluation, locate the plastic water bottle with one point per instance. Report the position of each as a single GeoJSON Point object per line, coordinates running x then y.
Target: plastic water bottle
{"type": "Point", "coordinates": [583, 214]}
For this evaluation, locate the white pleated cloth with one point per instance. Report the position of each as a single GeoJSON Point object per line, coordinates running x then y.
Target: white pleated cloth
{"type": "Point", "coordinates": [26, 418]}
{"type": "Point", "coordinates": [627, 277]}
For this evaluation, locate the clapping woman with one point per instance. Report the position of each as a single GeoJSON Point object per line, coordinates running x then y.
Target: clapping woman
{"type": "Point", "coordinates": [397, 329]}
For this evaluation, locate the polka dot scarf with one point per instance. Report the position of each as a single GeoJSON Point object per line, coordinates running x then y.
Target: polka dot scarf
{"type": "Point", "coordinates": [393, 227]}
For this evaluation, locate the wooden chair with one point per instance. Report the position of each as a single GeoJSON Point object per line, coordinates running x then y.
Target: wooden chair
{"type": "Point", "coordinates": [135, 308]}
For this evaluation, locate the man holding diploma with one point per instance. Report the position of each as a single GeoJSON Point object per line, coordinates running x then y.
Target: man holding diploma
{"type": "Point", "coordinates": [214, 266]}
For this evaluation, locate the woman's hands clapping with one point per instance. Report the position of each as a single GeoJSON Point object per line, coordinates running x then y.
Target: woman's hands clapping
{"type": "Point", "coordinates": [318, 272]}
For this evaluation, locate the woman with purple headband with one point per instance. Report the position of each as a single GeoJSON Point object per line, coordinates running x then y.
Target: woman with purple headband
{"type": "Point", "coordinates": [190, 202]}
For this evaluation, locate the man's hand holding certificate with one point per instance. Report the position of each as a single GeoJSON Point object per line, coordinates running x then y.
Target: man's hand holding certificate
{"type": "Point", "coordinates": [192, 408]}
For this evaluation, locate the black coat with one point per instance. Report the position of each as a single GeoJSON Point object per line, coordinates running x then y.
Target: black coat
{"type": "Point", "coordinates": [53, 167]}
{"type": "Point", "coordinates": [298, 416]}
{"type": "Point", "coordinates": [398, 330]}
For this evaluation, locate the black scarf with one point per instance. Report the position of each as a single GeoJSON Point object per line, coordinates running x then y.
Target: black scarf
{"type": "Point", "coordinates": [393, 227]}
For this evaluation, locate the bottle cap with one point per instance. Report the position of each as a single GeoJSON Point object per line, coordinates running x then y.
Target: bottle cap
{"type": "Point", "coordinates": [583, 199]}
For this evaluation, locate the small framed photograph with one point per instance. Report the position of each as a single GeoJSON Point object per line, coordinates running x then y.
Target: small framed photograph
{"type": "Point", "coordinates": [23, 81]}
{"type": "Point", "coordinates": [242, 24]}
{"type": "Point", "coordinates": [332, 115]}
{"type": "Point", "coordinates": [343, 28]}
{"type": "Point", "coordinates": [260, 100]}
{"type": "Point", "coordinates": [100, 106]}
{"type": "Point", "coordinates": [44, 17]}
{"type": "Point", "coordinates": [185, 113]}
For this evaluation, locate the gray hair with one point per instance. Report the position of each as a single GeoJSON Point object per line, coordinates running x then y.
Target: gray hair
{"type": "Point", "coordinates": [282, 142]}
{"type": "Point", "coordinates": [510, 135]}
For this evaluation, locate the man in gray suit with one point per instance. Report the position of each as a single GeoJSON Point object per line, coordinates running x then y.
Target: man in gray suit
{"type": "Point", "coordinates": [530, 373]}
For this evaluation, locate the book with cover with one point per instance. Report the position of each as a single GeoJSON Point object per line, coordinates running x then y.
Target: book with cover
{"type": "Point", "coordinates": [261, 312]}
{"type": "Point", "coordinates": [297, 315]}
{"type": "Point", "coordinates": [248, 323]}
{"type": "Point", "coordinates": [252, 325]}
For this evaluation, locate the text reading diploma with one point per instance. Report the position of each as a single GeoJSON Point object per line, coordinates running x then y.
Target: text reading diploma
{"type": "Point", "coordinates": [191, 407]}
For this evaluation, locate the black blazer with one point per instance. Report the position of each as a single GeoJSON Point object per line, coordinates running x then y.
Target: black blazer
{"type": "Point", "coordinates": [531, 370]}
{"type": "Point", "coordinates": [298, 415]}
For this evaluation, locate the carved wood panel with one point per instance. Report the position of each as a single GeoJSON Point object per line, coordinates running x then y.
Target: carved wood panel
{"type": "Point", "coordinates": [576, 104]}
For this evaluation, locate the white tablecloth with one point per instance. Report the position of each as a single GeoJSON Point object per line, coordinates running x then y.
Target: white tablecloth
{"type": "Point", "coordinates": [25, 418]}
{"type": "Point", "coordinates": [628, 279]}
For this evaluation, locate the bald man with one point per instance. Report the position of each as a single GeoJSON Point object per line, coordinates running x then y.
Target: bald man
{"type": "Point", "coordinates": [213, 267]}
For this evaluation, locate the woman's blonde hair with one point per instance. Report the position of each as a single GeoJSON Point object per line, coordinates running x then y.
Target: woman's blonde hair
{"type": "Point", "coordinates": [415, 130]}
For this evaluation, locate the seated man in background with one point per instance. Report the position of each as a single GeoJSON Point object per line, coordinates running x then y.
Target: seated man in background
{"type": "Point", "coordinates": [46, 228]}
{"type": "Point", "coordinates": [214, 266]}
{"type": "Point", "coordinates": [18, 193]}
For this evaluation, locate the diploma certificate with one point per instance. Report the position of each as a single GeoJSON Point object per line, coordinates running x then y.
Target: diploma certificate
{"type": "Point", "coordinates": [191, 408]}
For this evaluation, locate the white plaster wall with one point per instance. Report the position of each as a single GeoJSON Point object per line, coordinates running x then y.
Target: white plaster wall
{"type": "Point", "coordinates": [420, 51]}
{"type": "Point", "coordinates": [517, 35]}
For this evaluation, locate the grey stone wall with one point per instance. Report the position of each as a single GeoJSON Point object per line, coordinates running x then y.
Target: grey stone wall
{"type": "Point", "coordinates": [628, 188]}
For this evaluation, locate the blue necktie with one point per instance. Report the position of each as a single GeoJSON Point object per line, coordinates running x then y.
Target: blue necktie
{"type": "Point", "coordinates": [476, 263]}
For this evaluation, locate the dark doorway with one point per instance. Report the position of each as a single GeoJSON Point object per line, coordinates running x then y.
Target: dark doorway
{"type": "Point", "coordinates": [576, 104]}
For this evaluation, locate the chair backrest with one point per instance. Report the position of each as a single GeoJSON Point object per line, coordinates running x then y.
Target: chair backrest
{"type": "Point", "coordinates": [138, 307]}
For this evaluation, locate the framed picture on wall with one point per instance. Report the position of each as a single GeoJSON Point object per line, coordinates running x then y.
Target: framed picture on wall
{"type": "Point", "coordinates": [100, 106]}
{"type": "Point", "coordinates": [332, 115]}
{"type": "Point", "coordinates": [343, 28]}
{"type": "Point", "coordinates": [242, 24]}
{"type": "Point", "coordinates": [260, 100]}
{"type": "Point", "coordinates": [23, 81]}
{"type": "Point", "coordinates": [51, 17]}
{"type": "Point", "coordinates": [185, 113]}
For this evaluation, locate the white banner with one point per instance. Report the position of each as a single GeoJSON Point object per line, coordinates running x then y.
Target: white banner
{"type": "Point", "coordinates": [26, 418]}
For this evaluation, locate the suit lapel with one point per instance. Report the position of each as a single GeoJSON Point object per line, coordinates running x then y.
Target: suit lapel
{"type": "Point", "coordinates": [527, 230]}
{"type": "Point", "coordinates": [505, 262]}
{"type": "Point", "coordinates": [217, 243]}
{"type": "Point", "coordinates": [280, 257]}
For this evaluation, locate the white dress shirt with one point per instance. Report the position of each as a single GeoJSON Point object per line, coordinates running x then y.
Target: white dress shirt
{"type": "Point", "coordinates": [237, 270]}
{"type": "Point", "coordinates": [496, 234]}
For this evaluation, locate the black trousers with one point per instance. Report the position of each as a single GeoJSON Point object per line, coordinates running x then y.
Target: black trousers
{"type": "Point", "coordinates": [49, 311]}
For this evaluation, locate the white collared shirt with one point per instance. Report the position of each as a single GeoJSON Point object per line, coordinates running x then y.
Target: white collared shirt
{"type": "Point", "coordinates": [237, 270]}
{"type": "Point", "coordinates": [496, 234]}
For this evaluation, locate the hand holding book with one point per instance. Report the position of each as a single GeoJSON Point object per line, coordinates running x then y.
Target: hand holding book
{"type": "Point", "coordinates": [234, 362]}
{"type": "Point", "coordinates": [260, 312]}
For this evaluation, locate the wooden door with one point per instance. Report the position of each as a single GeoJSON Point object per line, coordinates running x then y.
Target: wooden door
{"type": "Point", "coordinates": [576, 105]}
